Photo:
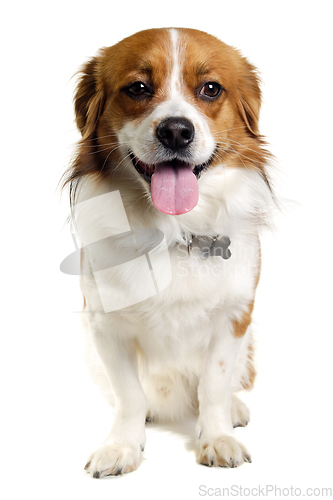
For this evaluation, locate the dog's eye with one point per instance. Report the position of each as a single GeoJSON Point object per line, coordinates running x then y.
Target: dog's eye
{"type": "Point", "coordinates": [211, 90]}
{"type": "Point", "coordinates": [138, 89]}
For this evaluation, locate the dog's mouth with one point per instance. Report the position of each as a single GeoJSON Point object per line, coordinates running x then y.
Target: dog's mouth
{"type": "Point", "coordinates": [173, 184]}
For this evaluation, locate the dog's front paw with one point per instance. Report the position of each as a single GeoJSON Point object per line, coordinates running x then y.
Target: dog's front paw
{"type": "Point", "coordinates": [112, 460]}
{"type": "Point", "coordinates": [224, 451]}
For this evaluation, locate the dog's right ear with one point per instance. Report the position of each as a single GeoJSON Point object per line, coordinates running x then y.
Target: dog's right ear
{"type": "Point", "coordinates": [249, 97]}
{"type": "Point", "coordinates": [89, 98]}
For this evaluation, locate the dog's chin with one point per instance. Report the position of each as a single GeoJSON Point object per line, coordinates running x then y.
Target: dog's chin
{"type": "Point", "coordinates": [146, 170]}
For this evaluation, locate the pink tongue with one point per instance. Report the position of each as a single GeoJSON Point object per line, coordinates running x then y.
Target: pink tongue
{"type": "Point", "coordinates": [174, 189]}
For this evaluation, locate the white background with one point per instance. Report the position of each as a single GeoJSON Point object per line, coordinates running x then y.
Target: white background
{"type": "Point", "coordinates": [52, 416]}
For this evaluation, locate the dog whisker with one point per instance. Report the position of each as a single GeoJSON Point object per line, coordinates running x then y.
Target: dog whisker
{"type": "Point", "coordinates": [104, 137]}
{"type": "Point", "coordinates": [252, 160]}
{"type": "Point", "coordinates": [101, 150]}
{"type": "Point", "coordinates": [217, 134]}
{"type": "Point", "coordinates": [235, 143]}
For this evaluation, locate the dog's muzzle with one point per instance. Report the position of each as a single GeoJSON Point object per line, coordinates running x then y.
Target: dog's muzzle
{"type": "Point", "coordinates": [173, 181]}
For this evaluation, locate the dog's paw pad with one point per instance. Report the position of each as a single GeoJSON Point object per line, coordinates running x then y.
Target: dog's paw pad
{"type": "Point", "coordinates": [224, 451]}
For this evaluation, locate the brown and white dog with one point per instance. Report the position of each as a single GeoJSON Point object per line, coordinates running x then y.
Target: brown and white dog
{"type": "Point", "coordinates": [170, 142]}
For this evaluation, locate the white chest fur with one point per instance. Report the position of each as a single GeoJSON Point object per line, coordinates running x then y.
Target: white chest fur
{"type": "Point", "coordinates": [173, 327]}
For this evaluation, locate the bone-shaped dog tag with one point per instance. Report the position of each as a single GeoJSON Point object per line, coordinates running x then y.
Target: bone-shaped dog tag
{"type": "Point", "coordinates": [205, 245]}
{"type": "Point", "coordinates": [220, 248]}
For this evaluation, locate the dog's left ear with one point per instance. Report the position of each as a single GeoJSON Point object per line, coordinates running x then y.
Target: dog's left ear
{"type": "Point", "coordinates": [249, 97]}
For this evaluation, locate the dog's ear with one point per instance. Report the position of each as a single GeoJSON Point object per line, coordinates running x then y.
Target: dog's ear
{"type": "Point", "coordinates": [89, 98]}
{"type": "Point", "coordinates": [249, 97]}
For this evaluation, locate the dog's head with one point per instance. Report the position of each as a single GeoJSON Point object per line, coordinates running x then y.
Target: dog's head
{"type": "Point", "coordinates": [168, 105]}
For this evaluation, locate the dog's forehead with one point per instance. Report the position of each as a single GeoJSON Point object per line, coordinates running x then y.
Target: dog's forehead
{"type": "Point", "coordinates": [203, 54]}
{"type": "Point", "coordinates": [146, 53]}
{"type": "Point", "coordinates": [155, 53]}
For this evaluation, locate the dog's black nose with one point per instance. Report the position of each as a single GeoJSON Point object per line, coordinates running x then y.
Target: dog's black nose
{"type": "Point", "coordinates": [175, 133]}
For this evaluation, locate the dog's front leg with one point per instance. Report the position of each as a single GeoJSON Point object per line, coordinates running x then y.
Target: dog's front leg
{"type": "Point", "coordinates": [217, 446]}
{"type": "Point", "coordinates": [122, 450]}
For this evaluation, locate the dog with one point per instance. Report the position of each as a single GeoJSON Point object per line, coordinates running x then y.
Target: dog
{"type": "Point", "coordinates": [169, 191]}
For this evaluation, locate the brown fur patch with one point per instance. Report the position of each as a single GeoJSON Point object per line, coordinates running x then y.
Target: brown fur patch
{"type": "Point", "coordinates": [240, 327]}
{"type": "Point", "coordinates": [248, 382]}
{"type": "Point", "coordinates": [222, 365]}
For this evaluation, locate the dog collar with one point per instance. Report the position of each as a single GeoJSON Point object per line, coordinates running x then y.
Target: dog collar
{"type": "Point", "coordinates": [217, 246]}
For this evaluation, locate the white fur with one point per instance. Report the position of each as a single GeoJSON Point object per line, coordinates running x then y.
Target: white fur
{"type": "Point", "coordinates": [175, 352]}
{"type": "Point", "coordinates": [175, 75]}
{"type": "Point", "coordinates": [184, 332]}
